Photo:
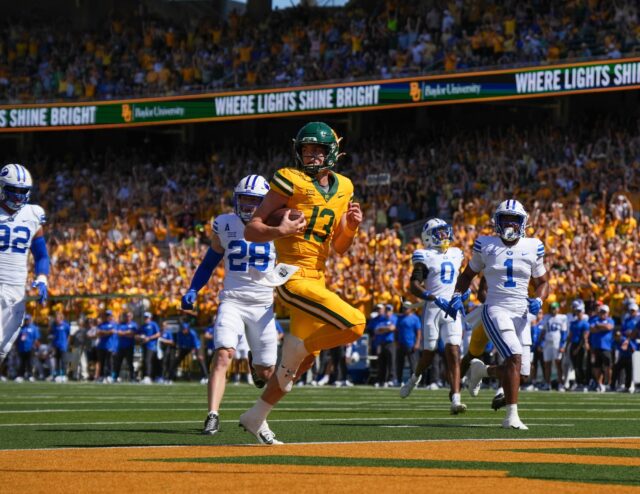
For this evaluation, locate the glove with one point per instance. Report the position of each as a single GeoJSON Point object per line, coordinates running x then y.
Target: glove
{"type": "Point", "coordinates": [444, 305]}
{"type": "Point", "coordinates": [425, 295]}
{"type": "Point", "coordinates": [188, 299]}
{"type": "Point", "coordinates": [456, 302]}
{"type": "Point", "coordinates": [466, 295]}
{"type": "Point", "coordinates": [535, 304]}
{"type": "Point", "coordinates": [41, 285]}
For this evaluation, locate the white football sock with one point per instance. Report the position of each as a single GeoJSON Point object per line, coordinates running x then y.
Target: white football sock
{"type": "Point", "coordinates": [257, 413]}
{"type": "Point", "coordinates": [455, 398]}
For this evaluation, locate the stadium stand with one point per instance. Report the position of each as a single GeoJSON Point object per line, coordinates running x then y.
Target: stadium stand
{"type": "Point", "coordinates": [131, 228]}
{"type": "Point", "coordinates": [138, 53]}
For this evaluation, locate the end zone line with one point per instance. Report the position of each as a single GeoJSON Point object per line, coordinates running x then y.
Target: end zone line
{"type": "Point", "coordinates": [316, 443]}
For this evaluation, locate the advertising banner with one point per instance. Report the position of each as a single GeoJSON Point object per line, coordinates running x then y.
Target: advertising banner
{"type": "Point", "coordinates": [529, 82]}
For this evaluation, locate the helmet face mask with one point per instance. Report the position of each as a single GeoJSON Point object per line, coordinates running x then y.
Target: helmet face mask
{"type": "Point", "coordinates": [510, 225]}
{"type": "Point", "coordinates": [510, 220]}
{"type": "Point", "coordinates": [246, 205]}
{"type": "Point", "coordinates": [438, 234]}
{"type": "Point", "coordinates": [248, 195]}
{"type": "Point", "coordinates": [320, 134]}
{"type": "Point", "coordinates": [15, 186]}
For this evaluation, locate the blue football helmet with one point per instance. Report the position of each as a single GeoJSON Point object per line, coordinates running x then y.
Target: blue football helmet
{"type": "Point", "coordinates": [249, 186]}
{"type": "Point", "coordinates": [15, 186]}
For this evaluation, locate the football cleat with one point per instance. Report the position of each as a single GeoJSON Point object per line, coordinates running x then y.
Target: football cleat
{"type": "Point", "coordinates": [263, 434]}
{"type": "Point", "coordinates": [514, 423]}
{"type": "Point", "coordinates": [477, 370]}
{"type": "Point", "coordinates": [407, 387]}
{"type": "Point", "coordinates": [457, 408]}
{"type": "Point", "coordinates": [257, 381]}
{"type": "Point", "coordinates": [499, 401]}
{"type": "Point", "coordinates": [211, 424]}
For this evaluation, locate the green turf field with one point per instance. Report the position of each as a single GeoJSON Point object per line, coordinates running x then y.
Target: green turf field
{"type": "Point", "coordinates": [48, 415]}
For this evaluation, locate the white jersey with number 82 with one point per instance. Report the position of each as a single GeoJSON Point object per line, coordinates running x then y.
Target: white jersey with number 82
{"type": "Point", "coordinates": [508, 270]}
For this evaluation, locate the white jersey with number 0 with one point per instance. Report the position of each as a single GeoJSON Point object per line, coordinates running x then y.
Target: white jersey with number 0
{"type": "Point", "coordinates": [239, 255]}
{"type": "Point", "coordinates": [444, 268]}
{"type": "Point", "coordinates": [508, 270]}
{"type": "Point", "coordinates": [16, 234]}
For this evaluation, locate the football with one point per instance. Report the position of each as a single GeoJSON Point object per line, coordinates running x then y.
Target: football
{"type": "Point", "coordinates": [275, 218]}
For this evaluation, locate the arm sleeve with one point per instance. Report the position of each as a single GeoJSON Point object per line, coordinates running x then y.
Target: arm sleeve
{"type": "Point", "coordinates": [203, 273]}
{"type": "Point", "coordinates": [419, 272]}
{"type": "Point", "coordinates": [40, 255]}
{"type": "Point", "coordinates": [539, 268]}
{"type": "Point", "coordinates": [477, 262]}
{"type": "Point", "coordinates": [563, 336]}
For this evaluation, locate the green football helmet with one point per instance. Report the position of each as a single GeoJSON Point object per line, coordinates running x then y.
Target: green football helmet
{"type": "Point", "coordinates": [317, 133]}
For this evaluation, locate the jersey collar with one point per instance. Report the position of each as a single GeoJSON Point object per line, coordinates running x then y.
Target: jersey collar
{"type": "Point", "coordinates": [333, 187]}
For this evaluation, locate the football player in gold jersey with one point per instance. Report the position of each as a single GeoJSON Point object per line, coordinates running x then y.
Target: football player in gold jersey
{"type": "Point", "coordinates": [320, 319]}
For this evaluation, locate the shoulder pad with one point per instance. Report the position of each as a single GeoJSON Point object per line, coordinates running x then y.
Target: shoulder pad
{"type": "Point", "coordinates": [283, 181]}
{"type": "Point", "coordinates": [477, 245]}
{"type": "Point", "coordinates": [419, 255]}
{"type": "Point", "coordinates": [220, 222]}
{"type": "Point", "coordinates": [38, 213]}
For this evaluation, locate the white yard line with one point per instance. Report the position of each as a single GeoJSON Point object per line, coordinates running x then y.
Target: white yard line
{"type": "Point", "coordinates": [323, 420]}
{"type": "Point", "coordinates": [347, 408]}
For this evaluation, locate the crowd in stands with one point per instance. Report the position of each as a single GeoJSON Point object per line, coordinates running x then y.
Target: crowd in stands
{"type": "Point", "coordinates": [131, 229]}
{"type": "Point", "coordinates": [140, 225]}
{"type": "Point", "coordinates": [140, 54]}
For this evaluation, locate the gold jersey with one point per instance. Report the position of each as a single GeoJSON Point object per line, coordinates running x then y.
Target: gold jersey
{"type": "Point", "coordinates": [322, 210]}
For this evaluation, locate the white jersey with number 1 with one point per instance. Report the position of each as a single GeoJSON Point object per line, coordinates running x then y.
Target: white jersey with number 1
{"type": "Point", "coordinates": [508, 270]}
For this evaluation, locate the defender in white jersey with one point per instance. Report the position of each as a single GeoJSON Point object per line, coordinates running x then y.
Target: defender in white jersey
{"type": "Point", "coordinates": [509, 262]}
{"type": "Point", "coordinates": [435, 271]}
{"type": "Point", "coordinates": [246, 307]}
{"type": "Point", "coordinates": [21, 230]}
{"type": "Point", "coordinates": [555, 327]}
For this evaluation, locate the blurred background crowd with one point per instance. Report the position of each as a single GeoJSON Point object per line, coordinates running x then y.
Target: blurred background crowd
{"type": "Point", "coordinates": [136, 53]}
{"type": "Point", "coordinates": [140, 225]}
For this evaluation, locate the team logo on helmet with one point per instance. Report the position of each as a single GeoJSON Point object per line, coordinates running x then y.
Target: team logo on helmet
{"type": "Point", "coordinates": [317, 133]}
{"type": "Point", "coordinates": [15, 186]}
{"type": "Point", "coordinates": [437, 234]}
